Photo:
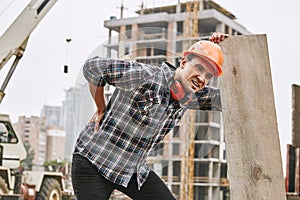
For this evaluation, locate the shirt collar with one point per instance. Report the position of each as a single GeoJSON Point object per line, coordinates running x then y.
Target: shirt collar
{"type": "Point", "coordinates": [169, 71]}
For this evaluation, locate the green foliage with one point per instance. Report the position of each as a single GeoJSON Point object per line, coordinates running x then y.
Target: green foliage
{"type": "Point", "coordinates": [27, 162]}
{"type": "Point", "coordinates": [54, 165]}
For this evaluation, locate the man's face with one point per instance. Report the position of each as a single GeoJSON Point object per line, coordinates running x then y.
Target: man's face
{"type": "Point", "coordinates": [195, 74]}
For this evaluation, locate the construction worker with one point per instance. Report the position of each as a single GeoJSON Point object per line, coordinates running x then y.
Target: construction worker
{"type": "Point", "coordinates": [111, 151]}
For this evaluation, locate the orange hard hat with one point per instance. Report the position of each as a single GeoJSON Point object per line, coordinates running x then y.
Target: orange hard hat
{"type": "Point", "coordinates": [210, 51]}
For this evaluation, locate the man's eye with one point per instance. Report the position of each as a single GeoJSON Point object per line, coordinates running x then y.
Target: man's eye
{"type": "Point", "coordinates": [209, 76]}
{"type": "Point", "coordinates": [200, 67]}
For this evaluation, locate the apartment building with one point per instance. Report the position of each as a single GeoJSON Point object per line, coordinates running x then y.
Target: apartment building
{"type": "Point", "coordinates": [77, 109]}
{"type": "Point", "coordinates": [55, 144]}
{"type": "Point", "coordinates": [44, 140]}
{"type": "Point", "coordinates": [33, 130]}
{"type": "Point", "coordinates": [52, 115]}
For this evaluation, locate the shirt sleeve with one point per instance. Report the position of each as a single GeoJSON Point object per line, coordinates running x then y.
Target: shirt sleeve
{"type": "Point", "coordinates": [119, 73]}
{"type": "Point", "coordinates": [207, 99]}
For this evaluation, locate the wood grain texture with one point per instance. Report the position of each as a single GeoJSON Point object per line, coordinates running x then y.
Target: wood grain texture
{"type": "Point", "coordinates": [250, 125]}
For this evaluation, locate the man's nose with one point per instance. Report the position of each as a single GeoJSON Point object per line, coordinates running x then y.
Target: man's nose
{"type": "Point", "coordinates": [201, 77]}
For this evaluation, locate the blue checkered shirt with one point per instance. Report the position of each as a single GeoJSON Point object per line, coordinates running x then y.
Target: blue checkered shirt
{"type": "Point", "coordinates": [138, 116]}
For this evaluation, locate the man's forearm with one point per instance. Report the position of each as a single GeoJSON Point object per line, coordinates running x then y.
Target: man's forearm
{"type": "Point", "coordinates": [97, 93]}
{"type": "Point", "coordinates": [208, 99]}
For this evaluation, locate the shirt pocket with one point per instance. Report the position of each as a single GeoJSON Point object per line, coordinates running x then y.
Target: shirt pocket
{"type": "Point", "coordinates": [144, 107]}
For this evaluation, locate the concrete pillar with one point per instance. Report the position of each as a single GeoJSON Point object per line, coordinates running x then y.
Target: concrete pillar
{"type": "Point", "coordinates": [108, 50]}
{"type": "Point", "coordinates": [220, 28]}
{"type": "Point", "coordinates": [171, 46]}
{"type": "Point", "coordinates": [122, 39]}
{"type": "Point", "coordinates": [170, 160]}
{"type": "Point", "coordinates": [296, 115]}
{"type": "Point", "coordinates": [210, 176]}
{"type": "Point", "coordinates": [135, 32]}
{"type": "Point", "coordinates": [253, 149]}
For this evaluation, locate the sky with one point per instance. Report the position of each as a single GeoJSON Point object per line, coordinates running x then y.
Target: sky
{"type": "Point", "coordinates": [39, 79]}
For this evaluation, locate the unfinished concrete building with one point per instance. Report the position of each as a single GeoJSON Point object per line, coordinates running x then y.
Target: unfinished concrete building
{"type": "Point", "coordinates": [292, 181]}
{"type": "Point", "coordinates": [191, 159]}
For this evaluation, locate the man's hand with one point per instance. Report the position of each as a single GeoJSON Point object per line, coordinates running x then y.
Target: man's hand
{"type": "Point", "coordinates": [218, 37]}
{"type": "Point", "coordinates": [97, 93]}
{"type": "Point", "coordinates": [97, 118]}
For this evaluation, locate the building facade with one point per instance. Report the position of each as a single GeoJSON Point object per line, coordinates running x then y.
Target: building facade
{"type": "Point", "coordinates": [43, 140]}
{"type": "Point", "coordinates": [55, 144]}
{"type": "Point", "coordinates": [33, 131]}
{"type": "Point", "coordinates": [191, 159]}
{"type": "Point", "coordinates": [78, 108]}
{"type": "Point", "coordinates": [52, 115]}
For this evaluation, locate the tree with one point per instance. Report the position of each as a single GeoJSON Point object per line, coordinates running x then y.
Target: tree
{"type": "Point", "coordinates": [27, 162]}
{"type": "Point", "coordinates": [54, 165]}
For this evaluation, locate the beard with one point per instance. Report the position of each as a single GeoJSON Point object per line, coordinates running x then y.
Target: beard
{"type": "Point", "coordinates": [190, 87]}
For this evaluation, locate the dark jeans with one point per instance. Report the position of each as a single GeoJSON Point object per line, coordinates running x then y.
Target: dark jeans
{"type": "Point", "coordinates": [89, 184]}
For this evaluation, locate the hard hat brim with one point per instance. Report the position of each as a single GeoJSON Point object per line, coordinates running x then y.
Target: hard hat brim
{"type": "Point", "coordinates": [215, 65]}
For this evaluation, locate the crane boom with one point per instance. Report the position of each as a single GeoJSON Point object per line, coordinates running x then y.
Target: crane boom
{"type": "Point", "coordinates": [14, 39]}
{"type": "Point", "coordinates": [18, 32]}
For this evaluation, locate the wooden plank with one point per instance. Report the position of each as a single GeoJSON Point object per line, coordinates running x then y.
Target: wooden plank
{"type": "Point", "coordinates": [250, 125]}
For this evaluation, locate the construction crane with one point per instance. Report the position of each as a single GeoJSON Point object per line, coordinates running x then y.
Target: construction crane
{"type": "Point", "coordinates": [14, 40]}
{"type": "Point", "coordinates": [14, 182]}
{"type": "Point", "coordinates": [187, 32]}
{"type": "Point", "coordinates": [195, 19]}
{"type": "Point", "coordinates": [188, 158]}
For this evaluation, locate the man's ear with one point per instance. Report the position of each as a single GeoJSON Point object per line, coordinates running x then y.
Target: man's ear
{"type": "Point", "coordinates": [183, 61]}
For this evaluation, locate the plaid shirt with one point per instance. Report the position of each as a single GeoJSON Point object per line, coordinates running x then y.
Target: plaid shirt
{"type": "Point", "coordinates": [138, 116]}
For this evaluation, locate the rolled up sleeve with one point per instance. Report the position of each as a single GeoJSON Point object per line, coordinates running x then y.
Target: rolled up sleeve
{"type": "Point", "coordinates": [122, 74]}
{"type": "Point", "coordinates": [94, 71]}
{"type": "Point", "coordinates": [207, 99]}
